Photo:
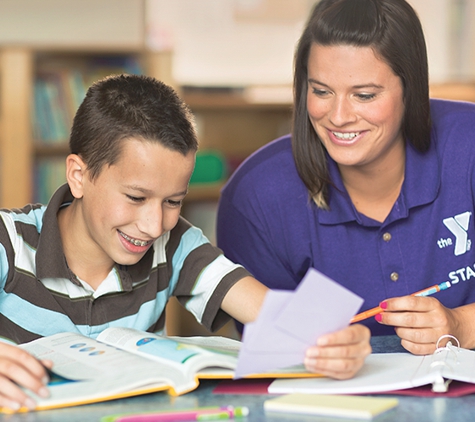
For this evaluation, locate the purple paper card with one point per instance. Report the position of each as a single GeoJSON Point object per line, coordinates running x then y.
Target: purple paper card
{"type": "Point", "coordinates": [319, 306]}
{"type": "Point", "coordinates": [290, 322]}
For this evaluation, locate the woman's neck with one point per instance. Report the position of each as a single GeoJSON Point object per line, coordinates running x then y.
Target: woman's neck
{"type": "Point", "coordinates": [374, 189]}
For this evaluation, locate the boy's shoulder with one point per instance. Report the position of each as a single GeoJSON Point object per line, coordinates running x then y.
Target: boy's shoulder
{"type": "Point", "coordinates": [30, 215]}
{"type": "Point", "coordinates": [20, 230]}
{"type": "Point", "coordinates": [25, 226]}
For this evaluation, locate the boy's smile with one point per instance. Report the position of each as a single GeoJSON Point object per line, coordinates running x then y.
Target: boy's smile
{"type": "Point", "coordinates": [117, 217]}
{"type": "Point", "coordinates": [134, 242]}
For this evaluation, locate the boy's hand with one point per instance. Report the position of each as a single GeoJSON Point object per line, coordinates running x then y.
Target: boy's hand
{"type": "Point", "coordinates": [340, 354]}
{"type": "Point", "coordinates": [19, 368]}
{"type": "Point", "coordinates": [421, 321]}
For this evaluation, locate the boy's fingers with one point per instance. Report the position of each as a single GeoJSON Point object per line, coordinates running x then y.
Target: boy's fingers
{"type": "Point", "coordinates": [353, 334]}
{"type": "Point", "coordinates": [14, 356]}
{"type": "Point", "coordinates": [47, 363]}
{"type": "Point", "coordinates": [19, 369]}
{"type": "Point", "coordinates": [340, 354]}
{"type": "Point", "coordinates": [340, 368]}
{"type": "Point", "coordinates": [12, 397]}
{"type": "Point", "coordinates": [22, 376]}
{"type": "Point", "coordinates": [353, 351]}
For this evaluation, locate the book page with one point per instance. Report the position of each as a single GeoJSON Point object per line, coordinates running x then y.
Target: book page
{"type": "Point", "coordinates": [190, 354]}
{"type": "Point", "coordinates": [143, 342]}
{"type": "Point", "coordinates": [381, 372]}
{"type": "Point", "coordinates": [88, 368]}
{"type": "Point", "coordinates": [458, 364]}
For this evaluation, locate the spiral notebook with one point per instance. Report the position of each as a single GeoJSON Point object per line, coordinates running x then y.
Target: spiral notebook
{"type": "Point", "coordinates": [384, 372]}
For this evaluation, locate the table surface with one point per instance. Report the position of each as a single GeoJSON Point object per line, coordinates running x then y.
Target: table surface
{"type": "Point", "coordinates": [410, 409]}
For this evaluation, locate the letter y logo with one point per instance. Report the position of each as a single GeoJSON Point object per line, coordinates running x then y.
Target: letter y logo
{"type": "Point", "coordinates": [458, 225]}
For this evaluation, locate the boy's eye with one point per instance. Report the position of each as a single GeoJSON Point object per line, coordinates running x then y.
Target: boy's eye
{"type": "Point", "coordinates": [174, 203]}
{"type": "Point", "coordinates": [135, 198]}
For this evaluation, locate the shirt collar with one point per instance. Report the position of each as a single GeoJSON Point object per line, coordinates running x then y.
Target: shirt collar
{"type": "Point", "coordinates": [50, 259]}
{"type": "Point", "coordinates": [420, 187]}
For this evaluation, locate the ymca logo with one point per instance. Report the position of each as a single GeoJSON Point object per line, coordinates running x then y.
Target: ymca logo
{"type": "Point", "coordinates": [458, 226]}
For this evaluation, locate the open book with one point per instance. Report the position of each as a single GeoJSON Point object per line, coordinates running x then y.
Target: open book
{"type": "Point", "coordinates": [124, 362]}
{"type": "Point", "coordinates": [384, 372]}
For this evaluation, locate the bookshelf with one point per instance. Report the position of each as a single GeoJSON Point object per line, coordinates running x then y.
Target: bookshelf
{"type": "Point", "coordinates": [228, 122]}
{"type": "Point", "coordinates": [463, 91]}
{"type": "Point", "coordinates": [33, 34]}
{"type": "Point", "coordinates": [15, 137]}
{"type": "Point", "coordinates": [235, 125]}
{"type": "Point", "coordinates": [21, 145]}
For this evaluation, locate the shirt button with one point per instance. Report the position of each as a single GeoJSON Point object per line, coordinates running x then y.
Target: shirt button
{"type": "Point", "coordinates": [394, 276]}
{"type": "Point", "coordinates": [387, 237]}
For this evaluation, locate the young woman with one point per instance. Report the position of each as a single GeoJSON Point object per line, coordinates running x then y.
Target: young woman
{"type": "Point", "coordinates": [375, 186]}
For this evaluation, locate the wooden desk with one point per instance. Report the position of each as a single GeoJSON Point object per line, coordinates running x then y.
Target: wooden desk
{"type": "Point", "coordinates": [410, 409]}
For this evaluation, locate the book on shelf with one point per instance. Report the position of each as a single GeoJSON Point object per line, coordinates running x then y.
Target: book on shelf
{"type": "Point", "coordinates": [124, 362]}
{"type": "Point", "coordinates": [391, 372]}
{"type": "Point", "coordinates": [60, 86]}
{"type": "Point", "coordinates": [57, 95]}
{"type": "Point", "coordinates": [50, 174]}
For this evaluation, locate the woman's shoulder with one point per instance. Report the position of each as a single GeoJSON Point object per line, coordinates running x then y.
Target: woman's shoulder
{"type": "Point", "coordinates": [269, 170]}
{"type": "Point", "coordinates": [445, 112]}
{"type": "Point", "coordinates": [266, 162]}
{"type": "Point", "coordinates": [277, 151]}
{"type": "Point", "coordinates": [453, 123]}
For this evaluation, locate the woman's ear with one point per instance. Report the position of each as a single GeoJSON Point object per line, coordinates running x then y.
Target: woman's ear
{"type": "Point", "coordinates": [75, 174]}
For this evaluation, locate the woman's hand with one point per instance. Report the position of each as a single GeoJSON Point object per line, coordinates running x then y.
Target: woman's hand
{"type": "Point", "coordinates": [19, 368]}
{"type": "Point", "coordinates": [421, 321]}
{"type": "Point", "coordinates": [340, 354]}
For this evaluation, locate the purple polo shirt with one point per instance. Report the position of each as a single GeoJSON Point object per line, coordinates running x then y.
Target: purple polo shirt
{"type": "Point", "coordinates": [267, 222]}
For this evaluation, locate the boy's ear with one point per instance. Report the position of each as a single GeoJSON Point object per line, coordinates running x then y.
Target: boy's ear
{"type": "Point", "coordinates": [75, 174]}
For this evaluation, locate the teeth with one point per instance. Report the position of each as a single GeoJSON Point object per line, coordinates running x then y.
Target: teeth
{"type": "Point", "coordinates": [135, 242]}
{"type": "Point", "coordinates": [346, 135]}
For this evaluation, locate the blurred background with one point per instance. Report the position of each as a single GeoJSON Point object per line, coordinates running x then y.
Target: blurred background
{"type": "Point", "coordinates": [231, 61]}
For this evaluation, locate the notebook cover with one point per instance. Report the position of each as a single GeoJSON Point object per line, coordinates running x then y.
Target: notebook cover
{"type": "Point", "coordinates": [357, 407]}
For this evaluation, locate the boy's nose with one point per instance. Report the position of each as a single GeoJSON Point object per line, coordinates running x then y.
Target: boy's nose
{"type": "Point", "coordinates": [151, 223]}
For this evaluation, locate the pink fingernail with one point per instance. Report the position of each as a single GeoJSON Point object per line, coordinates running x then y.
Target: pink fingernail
{"type": "Point", "coordinates": [383, 305]}
{"type": "Point", "coordinates": [378, 317]}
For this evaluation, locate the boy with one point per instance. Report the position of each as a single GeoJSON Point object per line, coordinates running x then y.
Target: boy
{"type": "Point", "coordinates": [111, 248]}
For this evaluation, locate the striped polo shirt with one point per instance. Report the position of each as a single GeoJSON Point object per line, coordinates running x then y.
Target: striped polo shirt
{"type": "Point", "coordinates": [40, 296]}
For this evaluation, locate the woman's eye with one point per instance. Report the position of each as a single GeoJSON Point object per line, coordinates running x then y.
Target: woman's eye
{"type": "Point", "coordinates": [365, 97]}
{"type": "Point", "coordinates": [319, 92]}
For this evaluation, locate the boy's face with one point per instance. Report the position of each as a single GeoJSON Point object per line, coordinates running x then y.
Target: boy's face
{"type": "Point", "coordinates": [134, 201]}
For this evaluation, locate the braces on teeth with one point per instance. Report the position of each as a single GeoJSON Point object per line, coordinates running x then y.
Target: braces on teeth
{"type": "Point", "coordinates": [133, 241]}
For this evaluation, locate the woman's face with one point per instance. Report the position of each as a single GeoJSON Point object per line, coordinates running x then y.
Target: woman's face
{"type": "Point", "coordinates": [355, 103]}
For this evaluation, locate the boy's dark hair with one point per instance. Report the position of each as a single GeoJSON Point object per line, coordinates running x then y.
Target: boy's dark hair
{"type": "Point", "coordinates": [393, 30]}
{"type": "Point", "coordinates": [129, 106]}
